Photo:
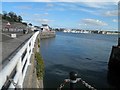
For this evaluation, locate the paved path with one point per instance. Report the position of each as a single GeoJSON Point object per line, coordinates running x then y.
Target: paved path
{"type": "Point", "coordinates": [11, 45]}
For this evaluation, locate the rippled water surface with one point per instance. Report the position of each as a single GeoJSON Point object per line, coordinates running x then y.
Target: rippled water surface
{"type": "Point", "coordinates": [88, 54]}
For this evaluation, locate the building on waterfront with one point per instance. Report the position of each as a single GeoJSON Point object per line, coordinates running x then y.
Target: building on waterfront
{"type": "Point", "coordinates": [89, 31]}
{"type": "Point", "coordinates": [45, 28]}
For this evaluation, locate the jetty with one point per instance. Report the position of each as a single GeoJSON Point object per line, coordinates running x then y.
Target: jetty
{"type": "Point", "coordinates": [46, 32]}
{"type": "Point", "coordinates": [18, 63]}
{"type": "Point", "coordinates": [114, 60]}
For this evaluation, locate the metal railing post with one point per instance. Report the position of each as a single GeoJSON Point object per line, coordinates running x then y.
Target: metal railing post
{"type": "Point", "coordinates": [73, 80]}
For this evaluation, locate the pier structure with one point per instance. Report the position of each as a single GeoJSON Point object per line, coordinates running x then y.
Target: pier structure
{"type": "Point", "coordinates": [45, 35]}
{"type": "Point", "coordinates": [14, 68]}
{"type": "Point", "coordinates": [113, 74]}
{"type": "Point", "coordinates": [46, 32]}
{"type": "Point", "coordinates": [114, 60]}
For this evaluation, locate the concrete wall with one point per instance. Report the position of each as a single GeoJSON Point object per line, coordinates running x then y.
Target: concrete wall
{"type": "Point", "coordinates": [44, 35]}
{"type": "Point", "coordinates": [114, 61]}
{"type": "Point", "coordinates": [31, 80]}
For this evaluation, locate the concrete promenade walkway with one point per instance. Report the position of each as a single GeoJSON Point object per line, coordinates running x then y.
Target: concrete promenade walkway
{"type": "Point", "coordinates": [11, 45]}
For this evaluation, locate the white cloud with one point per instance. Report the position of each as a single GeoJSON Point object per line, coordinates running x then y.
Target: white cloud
{"type": "Point", "coordinates": [102, 5]}
{"type": "Point", "coordinates": [46, 13]}
{"type": "Point", "coordinates": [43, 20]}
{"type": "Point", "coordinates": [39, 15]}
{"type": "Point", "coordinates": [72, 6]}
{"type": "Point", "coordinates": [60, 0]}
{"type": "Point", "coordinates": [115, 20]}
{"type": "Point", "coordinates": [36, 14]}
{"type": "Point", "coordinates": [79, 0]}
{"type": "Point", "coordinates": [82, 24]}
{"type": "Point", "coordinates": [95, 4]}
{"type": "Point", "coordinates": [23, 14]}
{"type": "Point", "coordinates": [99, 6]}
{"type": "Point", "coordinates": [89, 11]}
{"type": "Point", "coordinates": [111, 13]}
{"type": "Point", "coordinates": [50, 5]}
{"type": "Point", "coordinates": [93, 22]}
{"type": "Point", "coordinates": [23, 7]}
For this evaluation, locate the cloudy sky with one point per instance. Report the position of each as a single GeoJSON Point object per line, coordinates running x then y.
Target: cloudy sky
{"type": "Point", "coordinates": [82, 15]}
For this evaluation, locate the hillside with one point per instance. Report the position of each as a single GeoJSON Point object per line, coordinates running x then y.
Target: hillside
{"type": "Point", "coordinates": [14, 25]}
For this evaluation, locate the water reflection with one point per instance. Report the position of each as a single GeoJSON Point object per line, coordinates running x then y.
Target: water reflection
{"type": "Point", "coordinates": [74, 52]}
{"type": "Point", "coordinates": [47, 42]}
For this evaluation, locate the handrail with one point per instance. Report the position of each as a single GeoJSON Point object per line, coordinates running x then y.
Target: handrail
{"type": "Point", "coordinates": [16, 62]}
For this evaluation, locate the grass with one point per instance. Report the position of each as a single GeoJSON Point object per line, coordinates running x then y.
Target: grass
{"type": "Point", "coordinates": [38, 42]}
{"type": "Point", "coordinates": [39, 66]}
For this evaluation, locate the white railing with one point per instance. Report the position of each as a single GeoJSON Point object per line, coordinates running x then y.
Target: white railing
{"type": "Point", "coordinates": [18, 63]}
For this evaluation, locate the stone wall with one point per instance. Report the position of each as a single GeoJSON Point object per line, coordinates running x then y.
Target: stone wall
{"type": "Point", "coordinates": [114, 61]}
{"type": "Point", "coordinates": [31, 80]}
{"type": "Point", "coordinates": [45, 35]}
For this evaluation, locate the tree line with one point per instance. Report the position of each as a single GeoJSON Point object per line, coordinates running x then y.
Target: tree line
{"type": "Point", "coordinates": [11, 17]}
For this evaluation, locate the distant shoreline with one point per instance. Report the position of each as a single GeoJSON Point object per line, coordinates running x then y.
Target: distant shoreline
{"type": "Point", "coordinates": [91, 31]}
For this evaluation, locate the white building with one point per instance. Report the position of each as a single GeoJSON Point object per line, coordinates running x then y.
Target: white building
{"type": "Point", "coordinates": [45, 28]}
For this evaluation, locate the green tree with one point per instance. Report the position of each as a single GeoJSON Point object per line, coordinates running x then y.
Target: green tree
{"type": "Point", "coordinates": [24, 23]}
{"type": "Point", "coordinates": [20, 18]}
{"type": "Point", "coordinates": [30, 24]}
{"type": "Point", "coordinates": [4, 16]}
{"type": "Point", "coordinates": [11, 15]}
{"type": "Point", "coordinates": [15, 18]}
